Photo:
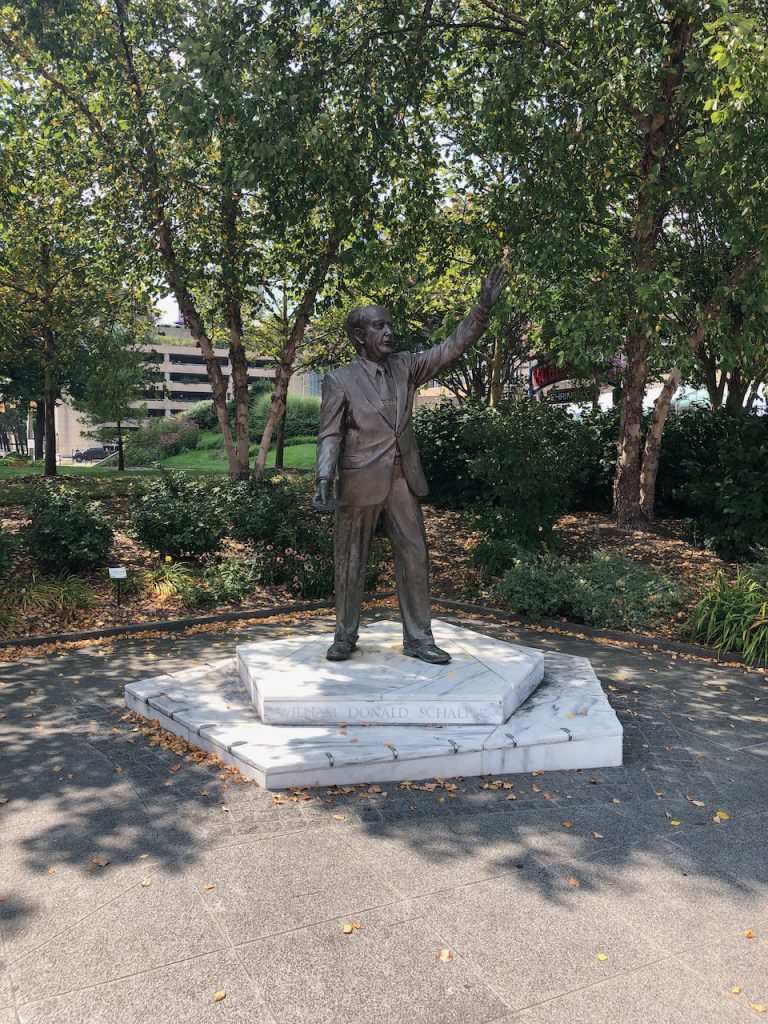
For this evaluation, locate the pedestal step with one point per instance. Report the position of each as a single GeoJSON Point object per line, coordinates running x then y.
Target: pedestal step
{"type": "Point", "coordinates": [565, 723]}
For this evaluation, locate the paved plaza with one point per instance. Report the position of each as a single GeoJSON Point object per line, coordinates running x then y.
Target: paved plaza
{"type": "Point", "coordinates": [138, 886]}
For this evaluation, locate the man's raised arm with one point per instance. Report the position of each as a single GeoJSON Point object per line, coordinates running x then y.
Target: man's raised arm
{"type": "Point", "coordinates": [427, 364]}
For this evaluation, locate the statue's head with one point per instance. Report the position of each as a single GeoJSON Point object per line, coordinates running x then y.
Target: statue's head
{"type": "Point", "coordinates": [369, 328]}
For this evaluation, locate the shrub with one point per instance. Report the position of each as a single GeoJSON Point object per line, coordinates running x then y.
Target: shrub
{"type": "Point", "coordinates": [167, 579]}
{"type": "Point", "coordinates": [733, 615]}
{"type": "Point", "coordinates": [65, 532]}
{"type": "Point", "coordinates": [160, 438]}
{"type": "Point", "coordinates": [303, 416]}
{"type": "Point", "coordinates": [594, 467]}
{"type": "Point", "coordinates": [534, 587]}
{"type": "Point", "coordinates": [450, 437]}
{"type": "Point", "coordinates": [493, 556]}
{"type": "Point", "coordinates": [730, 493]}
{"type": "Point", "coordinates": [203, 415]}
{"type": "Point", "coordinates": [8, 545]}
{"type": "Point", "coordinates": [178, 516]}
{"type": "Point", "coordinates": [262, 511]}
{"type": "Point", "coordinates": [615, 592]}
{"type": "Point", "coordinates": [525, 469]}
{"type": "Point", "coordinates": [222, 583]}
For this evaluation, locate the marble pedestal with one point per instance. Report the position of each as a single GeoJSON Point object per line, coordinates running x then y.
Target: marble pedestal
{"type": "Point", "coordinates": [291, 682]}
{"type": "Point", "coordinates": [565, 722]}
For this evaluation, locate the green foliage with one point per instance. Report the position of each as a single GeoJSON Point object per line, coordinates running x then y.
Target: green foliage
{"type": "Point", "coordinates": [595, 454]}
{"type": "Point", "coordinates": [615, 592]}
{"type": "Point", "coordinates": [65, 532]}
{"type": "Point", "coordinates": [610, 591]}
{"type": "Point", "coordinates": [450, 437]}
{"type": "Point", "coordinates": [524, 470]}
{"type": "Point", "coordinates": [64, 594]}
{"type": "Point", "coordinates": [8, 545]}
{"type": "Point", "coordinates": [302, 419]}
{"type": "Point", "coordinates": [225, 582]}
{"type": "Point", "coordinates": [732, 615]}
{"type": "Point", "coordinates": [533, 586]}
{"type": "Point", "coordinates": [166, 579]}
{"type": "Point", "coordinates": [178, 516]}
{"type": "Point", "coordinates": [203, 414]}
{"type": "Point", "coordinates": [262, 511]}
{"type": "Point", "coordinates": [732, 492]}
{"type": "Point", "coordinates": [159, 438]}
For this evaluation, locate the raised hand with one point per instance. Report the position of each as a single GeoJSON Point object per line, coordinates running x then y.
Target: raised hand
{"type": "Point", "coordinates": [493, 286]}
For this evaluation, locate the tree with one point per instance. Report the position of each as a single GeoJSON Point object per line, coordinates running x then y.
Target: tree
{"type": "Point", "coordinates": [588, 137]}
{"type": "Point", "coordinates": [115, 373]}
{"type": "Point", "coordinates": [234, 132]}
{"type": "Point", "coordinates": [63, 264]}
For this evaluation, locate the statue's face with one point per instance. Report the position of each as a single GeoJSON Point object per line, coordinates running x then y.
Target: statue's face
{"type": "Point", "coordinates": [377, 339]}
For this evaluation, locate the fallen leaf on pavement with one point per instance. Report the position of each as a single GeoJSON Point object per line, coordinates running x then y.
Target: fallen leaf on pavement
{"type": "Point", "coordinates": [598, 835]}
{"type": "Point", "coordinates": [567, 824]}
{"type": "Point", "coordinates": [352, 926]}
{"type": "Point", "coordinates": [145, 882]}
{"type": "Point", "coordinates": [758, 1007]}
{"type": "Point", "coordinates": [218, 996]}
{"type": "Point", "coordinates": [574, 882]}
{"type": "Point", "coordinates": [722, 816]}
{"type": "Point", "coordinates": [445, 955]}
{"type": "Point", "coordinates": [209, 886]}
{"type": "Point", "coordinates": [749, 934]}
{"type": "Point", "coordinates": [602, 956]}
{"type": "Point", "coordinates": [736, 990]}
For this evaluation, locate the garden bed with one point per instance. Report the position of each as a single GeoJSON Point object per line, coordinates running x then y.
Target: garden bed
{"type": "Point", "coordinates": [662, 546]}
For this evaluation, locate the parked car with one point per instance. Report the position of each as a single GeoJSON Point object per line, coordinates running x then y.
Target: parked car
{"type": "Point", "coordinates": [95, 454]}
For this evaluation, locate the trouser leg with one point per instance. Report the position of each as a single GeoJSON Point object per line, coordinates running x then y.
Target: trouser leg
{"type": "Point", "coordinates": [405, 528]}
{"type": "Point", "coordinates": [353, 532]}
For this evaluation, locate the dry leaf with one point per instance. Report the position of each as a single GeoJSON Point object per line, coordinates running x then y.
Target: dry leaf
{"type": "Point", "coordinates": [51, 871]}
{"type": "Point", "coordinates": [722, 816]}
{"type": "Point", "coordinates": [736, 990]}
{"type": "Point", "coordinates": [674, 823]}
{"type": "Point", "coordinates": [145, 882]}
{"type": "Point", "coordinates": [176, 768]}
{"type": "Point", "coordinates": [445, 955]}
{"type": "Point", "coordinates": [511, 797]}
{"type": "Point", "coordinates": [224, 807]}
{"type": "Point", "coordinates": [758, 1007]}
{"type": "Point", "coordinates": [602, 956]}
{"type": "Point", "coordinates": [535, 788]}
{"type": "Point", "coordinates": [598, 835]}
{"type": "Point", "coordinates": [218, 996]}
{"type": "Point", "coordinates": [3, 799]}
{"type": "Point", "coordinates": [567, 824]}
{"type": "Point", "coordinates": [574, 882]}
{"type": "Point", "coordinates": [615, 800]}
{"type": "Point", "coordinates": [749, 934]}
{"type": "Point", "coordinates": [209, 886]}
{"type": "Point", "coordinates": [143, 856]}
{"type": "Point", "coordinates": [339, 817]}
{"type": "Point", "coordinates": [352, 926]}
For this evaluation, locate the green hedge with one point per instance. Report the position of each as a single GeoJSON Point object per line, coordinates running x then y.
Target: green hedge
{"type": "Point", "coordinates": [159, 438]}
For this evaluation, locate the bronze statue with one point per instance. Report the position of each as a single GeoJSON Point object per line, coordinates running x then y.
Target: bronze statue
{"type": "Point", "coordinates": [366, 443]}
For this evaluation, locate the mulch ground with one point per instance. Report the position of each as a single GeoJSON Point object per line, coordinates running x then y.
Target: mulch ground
{"type": "Point", "coordinates": [662, 545]}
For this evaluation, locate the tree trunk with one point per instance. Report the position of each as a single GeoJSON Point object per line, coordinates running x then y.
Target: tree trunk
{"type": "Point", "coordinates": [737, 391]}
{"type": "Point", "coordinates": [161, 224]}
{"type": "Point", "coordinates": [280, 438]}
{"type": "Point", "coordinates": [288, 354]}
{"type": "Point", "coordinates": [49, 388]}
{"type": "Point", "coordinates": [626, 485]}
{"type": "Point", "coordinates": [652, 448]}
{"type": "Point", "coordinates": [38, 429]}
{"type": "Point", "coordinates": [657, 127]}
{"type": "Point", "coordinates": [120, 453]}
{"type": "Point", "coordinates": [232, 280]}
{"type": "Point", "coordinates": [497, 364]}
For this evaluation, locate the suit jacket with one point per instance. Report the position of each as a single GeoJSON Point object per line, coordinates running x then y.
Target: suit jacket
{"type": "Point", "coordinates": [358, 440]}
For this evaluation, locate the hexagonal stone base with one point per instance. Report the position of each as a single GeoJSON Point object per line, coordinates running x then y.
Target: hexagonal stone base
{"type": "Point", "coordinates": [566, 723]}
{"type": "Point", "coordinates": [292, 683]}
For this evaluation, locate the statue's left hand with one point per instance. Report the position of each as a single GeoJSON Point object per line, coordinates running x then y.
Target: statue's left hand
{"type": "Point", "coordinates": [493, 286]}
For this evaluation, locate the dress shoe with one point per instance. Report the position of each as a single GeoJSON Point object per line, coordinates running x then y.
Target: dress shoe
{"type": "Point", "coordinates": [340, 650]}
{"type": "Point", "coordinates": [428, 652]}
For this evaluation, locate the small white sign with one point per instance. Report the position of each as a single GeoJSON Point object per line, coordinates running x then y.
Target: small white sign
{"type": "Point", "coordinates": [118, 574]}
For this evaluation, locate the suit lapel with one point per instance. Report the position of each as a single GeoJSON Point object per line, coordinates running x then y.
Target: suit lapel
{"type": "Point", "coordinates": [368, 391]}
{"type": "Point", "coordinates": [400, 378]}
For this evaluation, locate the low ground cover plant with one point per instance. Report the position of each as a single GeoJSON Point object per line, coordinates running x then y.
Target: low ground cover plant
{"type": "Point", "coordinates": [66, 533]}
{"type": "Point", "coordinates": [732, 615]}
{"type": "Point", "coordinates": [8, 545]}
{"type": "Point", "coordinates": [610, 591]}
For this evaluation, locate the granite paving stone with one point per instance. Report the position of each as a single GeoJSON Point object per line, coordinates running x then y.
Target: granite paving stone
{"type": "Point", "coordinates": [663, 993]}
{"type": "Point", "coordinates": [181, 993]}
{"type": "Point", "coordinates": [420, 869]}
{"type": "Point", "coordinates": [274, 885]}
{"type": "Point", "coordinates": [139, 928]}
{"type": "Point", "coordinates": [382, 973]}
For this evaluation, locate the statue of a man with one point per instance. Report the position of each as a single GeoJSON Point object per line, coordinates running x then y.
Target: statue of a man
{"type": "Point", "coordinates": [366, 443]}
